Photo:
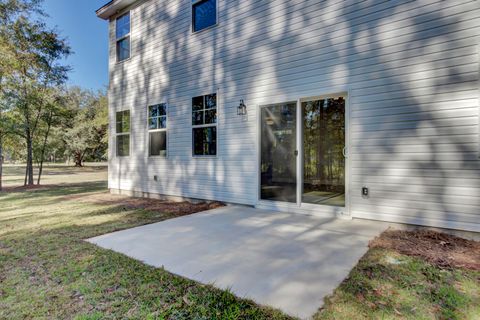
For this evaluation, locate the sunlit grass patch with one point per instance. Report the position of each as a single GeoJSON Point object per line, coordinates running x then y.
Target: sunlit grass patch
{"type": "Point", "coordinates": [388, 285]}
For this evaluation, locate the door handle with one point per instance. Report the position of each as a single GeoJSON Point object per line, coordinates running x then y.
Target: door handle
{"type": "Point", "coordinates": [344, 152]}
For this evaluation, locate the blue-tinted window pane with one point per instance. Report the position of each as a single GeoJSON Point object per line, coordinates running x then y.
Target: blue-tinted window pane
{"type": "Point", "coordinates": [153, 111]}
{"type": "Point", "coordinates": [157, 116]}
{"type": "Point", "coordinates": [211, 101]}
{"type": "Point", "coordinates": [162, 122]}
{"type": "Point", "coordinates": [157, 110]}
{"type": "Point", "coordinates": [123, 49]}
{"type": "Point", "coordinates": [204, 14]}
{"type": "Point", "coordinates": [123, 25]}
{"type": "Point", "coordinates": [152, 123]}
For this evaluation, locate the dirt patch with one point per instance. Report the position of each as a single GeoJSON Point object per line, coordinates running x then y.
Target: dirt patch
{"type": "Point", "coordinates": [441, 249]}
{"type": "Point", "coordinates": [176, 208]}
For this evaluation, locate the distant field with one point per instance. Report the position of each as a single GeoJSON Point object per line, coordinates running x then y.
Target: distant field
{"type": "Point", "coordinates": [14, 175]}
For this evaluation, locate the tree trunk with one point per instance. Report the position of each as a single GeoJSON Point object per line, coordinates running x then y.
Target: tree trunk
{"type": "Point", "coordinates": [78, 159]}
{"type": "Point", "coordinates": [29, 179]}
{"type": "Point", "coordinates": [42, 153]}
{"type": "Point", "coordinates": [40, 169]}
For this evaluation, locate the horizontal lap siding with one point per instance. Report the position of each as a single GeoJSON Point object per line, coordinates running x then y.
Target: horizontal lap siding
{"type": "Point", "coordinates": [411, 68]}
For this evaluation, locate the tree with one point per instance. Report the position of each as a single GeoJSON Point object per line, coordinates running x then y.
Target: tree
{"type": "Point", "coordinates": [87, 134]}
{"type": "Point", "coordinates": [55, 112]}
{"type": "Point", "coordinates": [36, 114]}
{"type": "Point", "coordinates": [10, 10]}
{"type": "Point", "coordinates": [36, 53]}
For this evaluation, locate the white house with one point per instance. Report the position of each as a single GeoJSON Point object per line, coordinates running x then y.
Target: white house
{"type": "Point", "coordinates": [365, 109]}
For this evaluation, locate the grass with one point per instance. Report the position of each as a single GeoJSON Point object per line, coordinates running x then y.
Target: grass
{"type": "Point", "coordinates": [388, 285]}
{"type": "Point", "coordinates": [47, 271]}
{"type": "Point", "coordinates": [14, 175]}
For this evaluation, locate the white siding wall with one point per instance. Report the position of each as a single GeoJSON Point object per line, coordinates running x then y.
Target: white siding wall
{"type": "Point", "coordinates": [411, 68]}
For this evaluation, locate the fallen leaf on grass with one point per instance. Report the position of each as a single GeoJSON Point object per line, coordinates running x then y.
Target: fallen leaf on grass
{"type": "Point", "coordinates": [360, 297]}
{"type": "Point", "coordinates": [112, 289]}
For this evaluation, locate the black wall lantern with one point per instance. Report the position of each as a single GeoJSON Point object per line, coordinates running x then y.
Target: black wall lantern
{"type": "Point", "coordinates": [241, 109]}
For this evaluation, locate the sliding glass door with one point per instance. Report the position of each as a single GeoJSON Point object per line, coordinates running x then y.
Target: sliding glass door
{"type": "Point", "coordinates": [278, 152]}
{"type": "Point", "coordinates": [323, 151]}
{"type": "Point", "coordinates": [320, 124]}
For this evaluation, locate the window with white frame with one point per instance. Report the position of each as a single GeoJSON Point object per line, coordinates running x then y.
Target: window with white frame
{"type": "Point", "coordinates": [122, 36]}
{"type": "Point", "coordinates": [204, 14]}
{"type": "Point", "coordinates": [123, 133]}
{"type": "Point", "coordinates": [204, 125]}
{"type": "Point", "coordinates": [157, 130]}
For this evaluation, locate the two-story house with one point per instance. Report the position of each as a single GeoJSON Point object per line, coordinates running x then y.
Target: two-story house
{"type": "Point", "coordinates": [365, 109]}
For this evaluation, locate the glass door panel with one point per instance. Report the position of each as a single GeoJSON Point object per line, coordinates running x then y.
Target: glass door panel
{"type": "Point", "coordinates": [278, 152]}
{"type": "Point", "coordinates": [323, 147]}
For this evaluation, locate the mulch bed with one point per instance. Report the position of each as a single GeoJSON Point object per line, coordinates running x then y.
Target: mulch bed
{"type": "Point", "coordinates": [176, 208]}
{"type": "Point", "coordinates": [443, 250]}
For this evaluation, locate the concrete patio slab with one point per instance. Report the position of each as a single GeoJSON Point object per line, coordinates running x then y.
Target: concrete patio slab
{"type": "Point", "coordinates": [287, 261]}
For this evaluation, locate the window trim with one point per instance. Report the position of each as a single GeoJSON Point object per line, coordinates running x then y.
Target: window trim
{"type": "Point", "coordinates": [157, 130]}
{"type": "Point", "coordinates": [128, 35]}
{"type": "Point", "coordinates": [199, 126]}
{"type": "Point", "coordinates": [192, 25]}
{"type": "Point", "coordinates": [129, 133]}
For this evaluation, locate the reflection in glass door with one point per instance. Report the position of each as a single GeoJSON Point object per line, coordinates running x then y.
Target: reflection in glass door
{"type": "Point", "coordinates": [278, 152]}
{"type": "Point", "coordinates": [323, 151]}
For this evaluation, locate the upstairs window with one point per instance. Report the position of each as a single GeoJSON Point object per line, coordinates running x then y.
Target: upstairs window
{"type": "Point", "coordinates": [204, 14]}
{"type": "Point", "coordinates": [204, 125]}
{"type": "Point", "coordinates": [122, 131]}
{"type": "Point", "coordinates": [122, 34]}
{"type": "Point", "coordinates": [157, 130]}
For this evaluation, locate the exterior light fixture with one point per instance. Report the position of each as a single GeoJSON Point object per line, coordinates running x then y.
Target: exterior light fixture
{"type": "Point", "coordinates": [241, 109]}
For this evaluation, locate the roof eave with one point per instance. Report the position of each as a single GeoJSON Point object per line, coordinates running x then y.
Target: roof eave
{"type": "Point", "coordinates": [113, 7]}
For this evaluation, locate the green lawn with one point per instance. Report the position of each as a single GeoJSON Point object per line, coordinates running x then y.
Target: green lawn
{"type": "Point", "coordinates": [48, 272]}
{"type": "Point", "coordinates": [14, 175]}
{"type": "Point", "coordinates": [388, 285]}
